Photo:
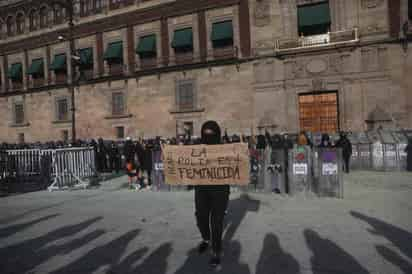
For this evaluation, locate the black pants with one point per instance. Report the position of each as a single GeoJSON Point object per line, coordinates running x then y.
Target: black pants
{"type": "Point", "coordinates": [211, 203]}
{"type": "Point", "coordinates": [115, 164]}
{"type": "Point", "coordinates": [346, 160]}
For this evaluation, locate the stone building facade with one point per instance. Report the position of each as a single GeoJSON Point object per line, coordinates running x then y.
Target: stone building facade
{"type": "Point", "coordinates": [146, 68]}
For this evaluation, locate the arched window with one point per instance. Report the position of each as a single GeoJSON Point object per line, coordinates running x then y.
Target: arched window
{"type": "Point", "coordinates": [34, 20]}
{"type": "Point", "coordinates": [43, 17]}
{"type": "Point", "coordinates": [10, 26]}
{"type": "Point", "coordinates": [20, 24]}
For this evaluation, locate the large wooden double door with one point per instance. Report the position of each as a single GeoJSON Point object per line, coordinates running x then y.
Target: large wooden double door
{"type": "Point", "coordinates": [318, 112]}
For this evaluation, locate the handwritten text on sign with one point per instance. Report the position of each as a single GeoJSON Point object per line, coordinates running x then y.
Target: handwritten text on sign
{"type": "Point", "coordinates": [206, 165]}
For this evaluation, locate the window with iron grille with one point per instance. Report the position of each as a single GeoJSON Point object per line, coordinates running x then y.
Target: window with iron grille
{"type": "Point", "coordinates": [119, 132]}
{"type": "Point", "coordinates": [18, 113]}
{"type": "Point", "coordinates": [62, 109]}
{"type": "Point", "coordinates": [185, 95]}
{"type": "Point", "coordinates": [118, 103]}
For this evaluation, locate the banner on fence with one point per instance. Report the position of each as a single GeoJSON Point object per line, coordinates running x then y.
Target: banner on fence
{"type": "Point", "coordinates": [206, 165]}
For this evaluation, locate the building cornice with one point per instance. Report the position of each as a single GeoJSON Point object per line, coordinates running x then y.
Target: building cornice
{"type": "Point", "coordinates": [118, 21]}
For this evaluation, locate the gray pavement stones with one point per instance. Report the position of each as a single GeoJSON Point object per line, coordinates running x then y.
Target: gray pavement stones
{"type": "Point", "coordinates": [115, 230]}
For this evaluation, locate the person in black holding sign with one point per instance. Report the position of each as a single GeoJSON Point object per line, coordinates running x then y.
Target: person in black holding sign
{"type": "Point", "coordinates": [211, 202]}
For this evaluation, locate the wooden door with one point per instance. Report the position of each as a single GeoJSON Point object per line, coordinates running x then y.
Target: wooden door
{"type": "Point", "coordinates": [319, 112]}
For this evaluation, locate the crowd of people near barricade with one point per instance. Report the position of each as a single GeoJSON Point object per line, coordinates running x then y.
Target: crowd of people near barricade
{"type": "Point", "coordinates": [135, 156]}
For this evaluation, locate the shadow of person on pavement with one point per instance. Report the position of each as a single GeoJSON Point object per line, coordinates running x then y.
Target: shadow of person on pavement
{"type": "Point", "coordinates": [401, 238]}
{"type": "Point", "coordinates": [105, 255]}
{"type": "Point", "coordinates": [394, 258]}
{"type": "Point", "coordinates": [12, 229]}
{"type": "Point", "coordinates": [328, 257]}
{"type": "Point", "coordinates": [273, 259]}
{"type": "Point", "coordinates": [14, 218]}
{"type": "Point", "coordinates": [237, 210]}
{"type": "Point", "coordinates": [156, 262]}
{"type": "Point", "coordinates": [194, 263]}
{"type": "Point", "coordinates": [398, 236]}
{"type": "Point", "coordinates": [127, 264]}
{"type": "Point", "coordinates": [197, 264]}
{"type": "Point", "coordinates": [22, 257]}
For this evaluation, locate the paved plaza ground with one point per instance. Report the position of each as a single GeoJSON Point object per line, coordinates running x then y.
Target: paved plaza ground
{"type": "Point", "coordinates": [115, 230]}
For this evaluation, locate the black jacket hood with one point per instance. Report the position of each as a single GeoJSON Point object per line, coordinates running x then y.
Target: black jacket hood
{"type": "Point", "coordinates": [211, 139]}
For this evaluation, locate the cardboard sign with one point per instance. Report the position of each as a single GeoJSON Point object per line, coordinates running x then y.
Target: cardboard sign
{"type": "Point", "coordinates": [206, 164]}
{"type": "Point", "coordinates": [329, 169]}
{"type": "Point", "coordinates": [300, 169]}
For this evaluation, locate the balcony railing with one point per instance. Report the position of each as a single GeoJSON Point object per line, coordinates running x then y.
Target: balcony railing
{"type": "Point", "coordinates": [315, 41]}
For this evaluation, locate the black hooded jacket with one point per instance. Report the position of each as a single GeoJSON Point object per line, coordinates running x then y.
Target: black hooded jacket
{"type": "Point", "coordinates": [211, 139]}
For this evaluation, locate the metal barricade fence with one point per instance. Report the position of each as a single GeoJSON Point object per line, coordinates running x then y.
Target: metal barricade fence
{"type": "Point", "coordinates": [70, 166]}
{"type": "Point", "coordinates": [354, 162]}
{"type": "Point", "coordinates": [364, 156]}
{"type": "Point", "coordinates": [26, 161]}
{"type": "Point", "coordinates": [65, 167]}
{"type": "Point", "coordinates": [390, 157]}
{"type": "Point", "coordinates": [377, 156]}
{"type": "Point", "coordinates": [4, 170]}
{"type": "Point", "coordinates": [402, 156]}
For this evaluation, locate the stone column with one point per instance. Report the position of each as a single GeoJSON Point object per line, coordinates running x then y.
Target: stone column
{"type": "Point", "coordinates": [3, 71]}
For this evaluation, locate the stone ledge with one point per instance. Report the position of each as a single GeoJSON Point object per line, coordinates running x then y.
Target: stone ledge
{"type": "Point", "coordinates": [61, 121]}
{"type": "Point", "coordinates": [20, 125]}
{"type": "Point", "coordinates": [176, 111]}
{"type": "Point", "coordinates": [118, 116]}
